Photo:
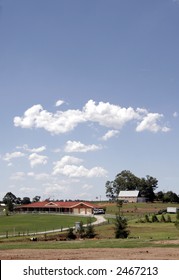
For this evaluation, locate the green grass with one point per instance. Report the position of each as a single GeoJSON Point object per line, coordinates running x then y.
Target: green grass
{"type": "Point", "coordinates": [139, 207]}
{"type": "Point", "coordinates": [141, 234]}
{"type": "Point", "coordinates": [28, 223]}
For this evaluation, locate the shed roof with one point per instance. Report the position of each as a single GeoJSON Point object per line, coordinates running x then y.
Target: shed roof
{"type": "Point", "coordinates": [129, 194]}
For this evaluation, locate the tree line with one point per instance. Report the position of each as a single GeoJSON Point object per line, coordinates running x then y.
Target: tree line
{"type": "Point", "coordinates": [127, 181]}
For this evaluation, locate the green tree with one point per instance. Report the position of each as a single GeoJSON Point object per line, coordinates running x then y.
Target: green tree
{"type": "Point", "coordinates": [170, 197]}
{"type": "Point", "coordinates": [36, 198]}
{"type": "Point", "coordinates": [90, 231]}
{"type": "Point", "coordinates": [26, 200]}
{"type": "Point", "coordinates": [81, 230]}
{"type": "Point", "coordinates": [126, 180]}
{"type": "Point", "coordinates": [121, 225]}
{"type": "Point", "coordinates": [9, 197]}
{"type": "Point", "coordinates": [70, 234]}
{"type": "Point", "coordinates": [121, 230]}
{"type": "Point", "coordinates": [177, 220]}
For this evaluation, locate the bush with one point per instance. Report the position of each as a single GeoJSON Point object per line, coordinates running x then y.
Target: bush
{"type": "Point", "coordinates": [154, 218]}
{"type": "Point", "coordinates": [70, 234]}
{"type": "Point", "coordinates": [121, 230]}
{"type": "Point", "coordinates": [90, 232]}
{"type": "Point", "coordinates": [162, 219]}
{"type": "Point", "coordinates": [168, 219]}
{"type": "Point", "coordinates": [147, 219]}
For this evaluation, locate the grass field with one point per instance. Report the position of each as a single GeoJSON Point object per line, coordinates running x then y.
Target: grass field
{"type": "Point", "coordinates": [141, 234]}
{"type": "Point", "coordinates": [32, 223]}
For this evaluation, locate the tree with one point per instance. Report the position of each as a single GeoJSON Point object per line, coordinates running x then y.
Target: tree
{"type": "Point", "coordinates": [36, 198]}
{"type": "Point", "coordinates": [9, 197]}
{"type": "Point", "coordinates": [170, 197]}
{"type": "Point", "coordinates": [159, 196]}
{"type": "Point", "coordinates": [26, 200]}
{"type": "Point", "coordinates": [90, 232]}
{"type": "Point", "coordinates": [147, 186]}
{"type": "Point", "coordinates": [80, 230]}
{"type": "Point", "coordinates": [121, 225]}
{"type": "Point", "coordinates": [177, 220]}
{"type": "Point", "coordinates": [127, 181]}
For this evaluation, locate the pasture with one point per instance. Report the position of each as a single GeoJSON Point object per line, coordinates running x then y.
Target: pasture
{"type": "Point", "coordinates": [142, 234]}
{"type": "Point", "coordinates": [24, 224]}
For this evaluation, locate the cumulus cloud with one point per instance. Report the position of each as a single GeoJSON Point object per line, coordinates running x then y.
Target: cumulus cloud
{"type": "Point", "coordinates": [105, 114]}
{"type": "Point", "coordinates": [81, 171]}
{"type": "Point", "coordinates": [59, 103]}
{"type": "Point", "coordinates": [10, 156]}
{"type": "Point", "coordinates": [70, 166]}
{"type": "Point", "coordinates": [109, 134]}
{"type": "Point", "coordinates": [60, 122]}
{"type": "Point", "coordinates": [77, 146]}
{"type": "Point", "coordinates": [36, 159]}
{"type": "Point", "coordinates": [150, 123]}
{"type": "Point", "coordinates": [26, 148]}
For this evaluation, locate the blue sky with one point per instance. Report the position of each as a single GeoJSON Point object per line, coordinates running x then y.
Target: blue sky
{"type": "Point", "coordinates": [87, 89]}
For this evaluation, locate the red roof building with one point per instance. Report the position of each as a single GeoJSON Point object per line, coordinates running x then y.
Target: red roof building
{"type": "Point", "coordinates": [70, 207]}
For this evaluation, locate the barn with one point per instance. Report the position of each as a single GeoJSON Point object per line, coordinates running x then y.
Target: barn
{"type": "Point", "coordinates": [70, 207]}
{"type": "Point", "coordinates": [129, 196]}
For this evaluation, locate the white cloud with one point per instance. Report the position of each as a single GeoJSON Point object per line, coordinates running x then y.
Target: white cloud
{"type": "Point", "coordinates": [36, 159]}
{"type": "Point", "coordinates": [70, 166]}
{"type": "Point", "coordinates": [150, 123]}
{"type": "Point", "coordinates": [39, 176]}
{"type": "Point", "coordinates": [27, 190]}
{"type": "Point", "coordinates": [109, 134]}
{"type": "Point", "coordinates": [55, 190]}
{"type": "Point", "coordinates": [81, 171]}
{"type": "Point", "coordinates": [175, 114]}
{"type": "Point", "coordinates": [59, 103]}
{"type": "Point", "coordinates": [10, 156]}
{"type": "Point", "coordinates": [60, 122]}
{"type": "Point", "coordinates": [104, 114]}
{"type": "Point", "coordinates": [26, 148]}
{"type": "Point", "coordinates": [108, 115]}
{"type": "Point", "coordinates": [77, 146]}
{"type": "Point", "coordinates": [19, 176]}
{"type": "Point", "coordinates": [87, 187]}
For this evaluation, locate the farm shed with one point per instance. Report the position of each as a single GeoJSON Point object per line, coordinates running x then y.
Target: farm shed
{"type": "Point", "coordinates": [71, 207]}
{"type": "Point", "coordinates": [172, 210]}
{"type": "Point", "coordinates": [129, 196]}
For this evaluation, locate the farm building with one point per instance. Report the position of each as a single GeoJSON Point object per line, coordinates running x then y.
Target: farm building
{"type": "Point", "coordinates": [131, 196]}
{"type": "Point", "coordinates": [71, 207]}
{"type": "Point", "coordinates": [172, 210]}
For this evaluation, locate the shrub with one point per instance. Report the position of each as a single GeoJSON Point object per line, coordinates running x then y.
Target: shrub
{"type": "Point", "coordinates": [147, 220]}
{"type": "Point", "coordinates": [168, 219]}
{"type": "Point", "coordinates": [70, 234]}
{"type": "Point", "coordinates": [121, 230]}
{"type": "Point", "coordinates": [154, 218]}
{"type": "Point", "coordinates": [162, 219]}
{"type": "Point", "coordinates": [90, 232]}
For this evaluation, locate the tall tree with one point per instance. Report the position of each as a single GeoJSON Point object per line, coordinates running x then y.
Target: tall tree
{"type": "Point", "coordinates": [9, 197]}
{"type": "Point", "coordinates": [26, 200]}
{"type": "Point", "coordinates": [36, 198]}
{"type": "Point", "coordinates": [127, 181]}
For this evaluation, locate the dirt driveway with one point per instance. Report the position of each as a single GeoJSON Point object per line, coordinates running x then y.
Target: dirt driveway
{"type": "Point", "coordinates": [91, 254]}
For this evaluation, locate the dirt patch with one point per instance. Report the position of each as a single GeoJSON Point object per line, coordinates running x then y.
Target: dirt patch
{"type": "Point", "coordinates": [91, 254]}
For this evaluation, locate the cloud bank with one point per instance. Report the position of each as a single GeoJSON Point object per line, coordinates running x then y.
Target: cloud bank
{"type": "Point", "coordinates": [104, 114]}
